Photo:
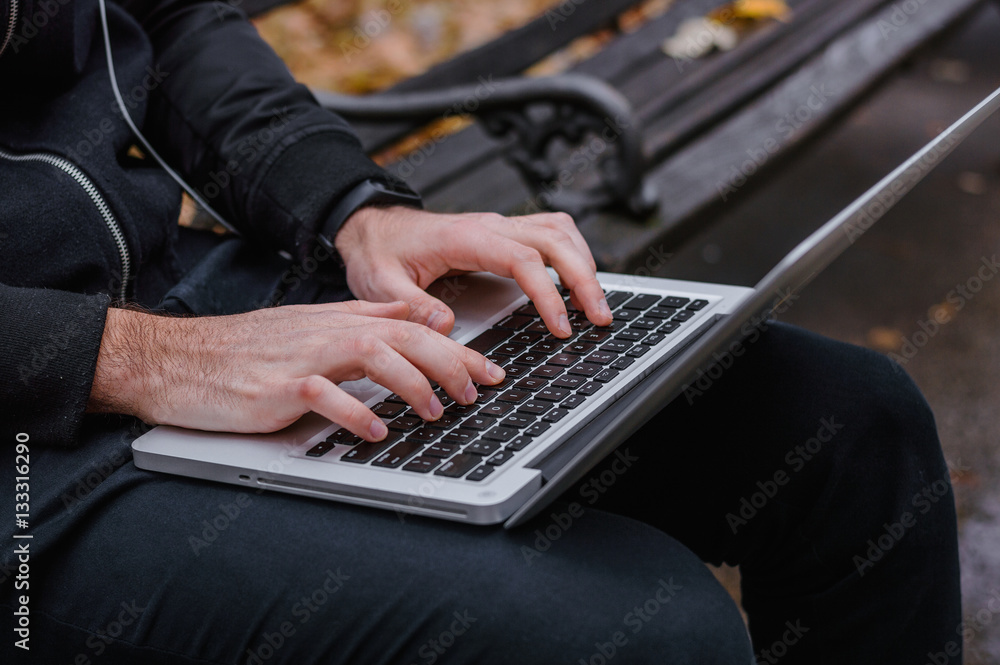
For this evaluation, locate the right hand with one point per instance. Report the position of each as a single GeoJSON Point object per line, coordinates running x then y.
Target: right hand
{"type": "Point", "coordinates": [261, 371]}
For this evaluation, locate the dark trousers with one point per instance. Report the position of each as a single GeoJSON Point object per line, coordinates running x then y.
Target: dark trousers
{"type": "Point", "coordinates": [812, 464]}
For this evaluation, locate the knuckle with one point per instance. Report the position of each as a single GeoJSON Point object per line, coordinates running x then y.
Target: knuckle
{"type": "Point", "coordinates": [311, 389]}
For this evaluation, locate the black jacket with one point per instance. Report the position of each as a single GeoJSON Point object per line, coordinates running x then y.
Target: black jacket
{"type": "Point", "coordinates": [213, 99]}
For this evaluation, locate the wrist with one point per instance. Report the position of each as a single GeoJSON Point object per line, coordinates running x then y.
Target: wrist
{"type": "Point", "coordinates": [366, 195]}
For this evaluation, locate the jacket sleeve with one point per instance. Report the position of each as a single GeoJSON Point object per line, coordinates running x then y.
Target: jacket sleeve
{"type": "Point", "coordinates": [231, 119]}
{"type": "Point", "coordinates": [49, 361]}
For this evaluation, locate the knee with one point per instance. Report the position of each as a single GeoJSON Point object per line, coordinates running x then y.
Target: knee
{"type": "Point", "coordinates": [647, 599]}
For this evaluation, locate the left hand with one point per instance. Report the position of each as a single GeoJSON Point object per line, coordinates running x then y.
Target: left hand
{"type": "Point", "coordinates": [395, 253]}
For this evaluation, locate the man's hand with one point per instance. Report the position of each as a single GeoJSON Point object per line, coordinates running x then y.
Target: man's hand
{"type": "Point", "coordinates": [261, 371]}
{"type": "Point", "coordinates": [395, 253]}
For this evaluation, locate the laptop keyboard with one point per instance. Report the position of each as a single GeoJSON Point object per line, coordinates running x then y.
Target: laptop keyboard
{"type": "Point", "coordinates": [547, 378]}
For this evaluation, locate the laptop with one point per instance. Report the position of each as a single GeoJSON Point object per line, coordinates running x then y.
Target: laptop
{"type": "Point", "coordinates": [564, 405]}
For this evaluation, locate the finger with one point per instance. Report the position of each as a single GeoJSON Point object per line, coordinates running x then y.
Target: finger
{"type": "Point", "coordinates": [567, 224]}
{"type": "Point", "coordinates": [384, 365]}
{"type": "Point", "coordinates": [553, 236]}
{"type": "Point", "coordinates": [452, 365]}
{"type": "Point", "coordinates": [397, 309]}
{"type": "Point", "coordinates": [425, 309]}
{"type": "Point", "coordinates": [319, 394]}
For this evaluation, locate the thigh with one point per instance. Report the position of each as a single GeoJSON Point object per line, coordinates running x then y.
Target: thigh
{"type": "Point", "coordinates": [151, 568]}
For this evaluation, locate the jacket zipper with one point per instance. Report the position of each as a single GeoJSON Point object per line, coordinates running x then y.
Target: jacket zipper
{"type": "Point", "coordinates": [95, 196]}
{"type": "Point", "coordinates": [11, 25]}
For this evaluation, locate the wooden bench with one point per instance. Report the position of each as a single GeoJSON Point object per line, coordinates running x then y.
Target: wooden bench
{"type": "Point", "coordinates": [656, 145]}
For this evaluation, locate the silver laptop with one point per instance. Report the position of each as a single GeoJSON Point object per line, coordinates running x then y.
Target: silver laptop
{"type": "Point", "coordinates": [565, 404]}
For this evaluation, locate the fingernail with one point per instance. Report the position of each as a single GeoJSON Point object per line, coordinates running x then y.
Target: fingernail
{"type": "Point", "coordinates": [495, 371]}
{"type": "Point", "coordinates": [563, 324]}
{"type": "Point", "coordinates": [435, 320]}
{"type": "Point", "coordinates": [603, 308]}
{"type": "Point", "coordinates": [470, 393]}
{"type": "Point", "coordinates": [435, 407]}
{"type": "Point", "coordinates": [378, 430]}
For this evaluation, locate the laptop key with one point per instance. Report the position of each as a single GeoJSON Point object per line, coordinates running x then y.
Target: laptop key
{"type": "Point", "coordinates": [551, 394]}
{"type": "Point", "coordinates": [515, 371]}
{"type": "Point", "coordinates": [480, 473]}
{"type": "Point", "coordinates": [547, 346]}
{"type": "Point", "coordinates": [478, 422]}
{"type": "Point", "coordinates": [422, 464]}
{"type": "Point", "coordinates": [616, 298]}
{"type": "Point", "coordinates": [500, 433]}
{"type": "Point", "coordinates": [639, 351]}
{"type": "Point", "coordinates": [555, 415]}
{"type": "Point", "coordinates": [653, 338]}
{"type": "Point", "coordinates": [510, 349]}
{"type": "Point", "coordinates": [642, 301]}
{"type": "Point", "coordinates": [579, 348]}
{"type": "Point", "coordinates": [395, 398]}
{"type": "Point", "coordinates": [520, 443]}
{"type": "Point", "coordinates": [398, 454]}
{"type": "Point", "coordinates": [569, 381]}
{"type": "Point", "coordinates": [547, 372]}
{"type": "Point", "coordinates": [527, 310]}
{"type": "Point", "coordinates": [425, 434]}
{"type": "Point", "coordinates": [526, 338]}
{"type": "Point", "coordinates": [697, 305]}
{"type": "Point", "coordinates": [514, 396]}
{"type": "Point", "coordinates": [458, 466]}
{"type": "Point", "coordinates": [367, 450]}
{"type": "Point", "coordinates": [535, 407]}
{"type": "Point", "coordinates": [483, 448]}
{"type": "Point", "coordinates": [484, 393]}
{"type": "Point", "coordinates": [606, 375]}
{"type": "Point", "coordinates": [464, 409]}
{"type": "Point", "coordinates": [518, 420]}
{"type": "Point", "coordinates": [320, 449]}
{"type": "Point", "coordinates": [683, 315]}
{"type": "Point", "coordinates": [622, 363]}
{"type": "Point", "coordinates": [669, 327]}
{"type": "Point", "coordinates": [445, 421]}
{"type": "Point", "coordinates": [388, 409]}
{"type": "Point", "coordinates": [501, 457]}
{"type": "Point", "coordinates": [645, 324]}
{"type": "Point", "coordinates": [442, 450]}
{"type": "Point", "coordinates": [515, 322]}
{"type": "Point", "coordinates": [601, 357]}
{"type": "Point", "coordinates": [572, 401]}
{"type": "Point", "coordinates": [488, 339]}
{"type": "Point", "coordinates": [590, 388]}
{"type": "Point", "coordinates": [531, 383]}
{"type": "Point", "coordinates": [630, 335]}
{"type": "Point", "coordinates": [537, 429]}
{"type": "Point", "coordinates": [496, 409]}
{"type": "Point", "coordinates": [626, 315]}
{"type": "Point", "coordinates": [530, 358]}
{"type": "Point", "coordinates": [460, 436]}
{"type": "Point", "coordinates": [585, 369]}
{"type": "Point", "coordinates": [661, 312]}
{"type": "Point", "coordinates": [405, 423]}
{"type": "Point", "coordinates": [674, 301]}
{"type": "Point", "coordinates": [344, 436]}
{"type": "Point", "coordinates": [562, 359]}
{"type": "Point", "coordinates": [596, 336]}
